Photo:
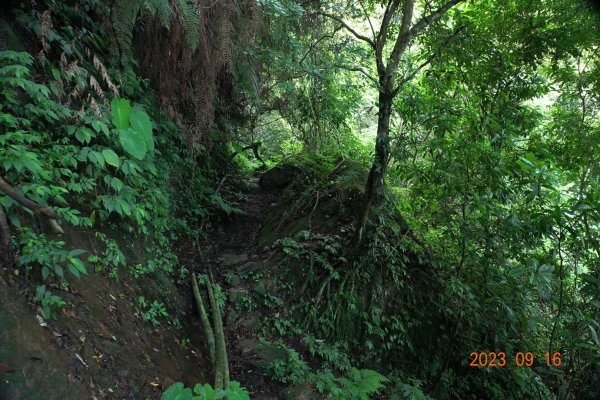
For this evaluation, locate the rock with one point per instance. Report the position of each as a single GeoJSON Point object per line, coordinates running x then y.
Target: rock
{"type": "Point", "coordinates": [261, 354]}
{"type": "Point", "coordinates": [236, 282]}
{"type": "Point", "coordinates": [234, 294]}
{"type": "Point", "coordinates": [279, 177]}
{"type": "Point", "coordinates": [245, 266]}
{"type": "Point", "coordinates": [250, 322]}
{"type": "Point", "coordinates": [266, 353]}
{"type": "Point", "coordinates": [300, 391]}
{"type": "Point", "coordinates": [229, 260]}
{"type": "Point", "coordinates": [260, 288]}
{"type": "Point", "coordinates": [248, 345]}
{"type": "Point", "coordinates": [231, 318]}
{"type": "Point", "coordinates": [167, 381]}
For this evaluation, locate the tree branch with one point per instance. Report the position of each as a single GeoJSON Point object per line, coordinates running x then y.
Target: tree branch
{"type": "Point", "coordinates": [44, 211]}
{"type": "Point", "coordinates": [429, 59]}
{"type": "Point", "coordinates": [407, 33]}
{"type": "Point", "coordinates": [5, 250]}
{"type": "Point", "coordinates": [390, 9]}
{"type": "Point", "coordinates": [437, 14]}
{"type": "Point", "coordinates": [368, 19]}
{"type": "Point", "coordinates": [370, 41]}
{"type": "Point", "coordinates": [402, 41]}
{"type": "Point", "coordinates": [361, 70]}
{"type": "Point", "coordinates": [381, 37]}
{"type": "Point", "coordinates": [313, 45]}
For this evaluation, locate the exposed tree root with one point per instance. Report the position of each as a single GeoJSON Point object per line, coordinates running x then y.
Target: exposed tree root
{"type": "Point", "coordinates": [42, 211]}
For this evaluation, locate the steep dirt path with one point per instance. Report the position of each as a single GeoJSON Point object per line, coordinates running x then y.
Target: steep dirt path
{"type": "Point", "coordinates": [234, 249]}
{"type": "Point", "coordinates": [239, 236]}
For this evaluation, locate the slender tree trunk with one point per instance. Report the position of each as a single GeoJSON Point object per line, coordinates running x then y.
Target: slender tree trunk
{"type": "Point", "coordinates": [373, 189]}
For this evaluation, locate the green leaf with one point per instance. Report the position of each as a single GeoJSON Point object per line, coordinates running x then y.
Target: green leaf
{"type": "Point", "coordinates": [177, 392]}
{"type": "Point", "coordinates": [236, 392]}
{"type": "Point", "coordinates": [83, 135]}
{"type": "Point", "coordinates": [109, 204]}
{"type": "Point", "coordinates": [111, 157]}
{"type": "Point", "coordinates": [140, 122]}
{"type": "Point", "coordinates": [116, 184]}
{"type": "Point", "coordinates": [121, 110]}
{"type": "Point", "coordinates": [133, 143]}
{"type": "Point", "coordinates": [58, 270]}
{"type": "Point", "coordinates": [73, 270]}
{"type": "Point", "coordinates": [77, 252]}
{"type": "Point", "coordinates": [77, 263]}
{"type": "Point", "coordinates": [594, 335]}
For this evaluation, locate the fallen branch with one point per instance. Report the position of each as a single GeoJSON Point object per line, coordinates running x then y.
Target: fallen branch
{"type": "Point", "coordinates": [215, 337]}
{"type": "Point", "coordinates": [221, 365]}
{"type": "Point", "coordinates": [208, 331]}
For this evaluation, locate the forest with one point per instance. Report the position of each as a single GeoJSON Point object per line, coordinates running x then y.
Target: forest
{"type": "Point", "coordinates": [300, 199]}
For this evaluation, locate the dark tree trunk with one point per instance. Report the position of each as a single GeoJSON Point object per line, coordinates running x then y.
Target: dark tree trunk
{"type": "Point", "coordinates": [373, 189]}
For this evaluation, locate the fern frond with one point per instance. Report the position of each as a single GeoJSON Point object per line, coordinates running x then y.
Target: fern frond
{"type": "Point", "coordinates": [190, 19]}
{"type": "Point", "coordinates": [125, 15]}
{"type": "Point", "coordinates": [162, 8]}
{"type": "Point", "coordinates": [97, 88]}
{"type": "Point", "coordinates": [45, 27]}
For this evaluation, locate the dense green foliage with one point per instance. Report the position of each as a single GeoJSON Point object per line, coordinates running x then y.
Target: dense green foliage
{"type": "Point", "coordinates": [473, 226]}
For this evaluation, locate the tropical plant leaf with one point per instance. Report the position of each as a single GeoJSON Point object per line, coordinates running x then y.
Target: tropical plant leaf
{"type": "Point", "coordinates": [140, 122]}
{"type": "Point", "coordinates": [133, 142]}
{"type": "Point", "coordinates": [121, 110]}
{"type": "Point", "coordinates": [111, 157]}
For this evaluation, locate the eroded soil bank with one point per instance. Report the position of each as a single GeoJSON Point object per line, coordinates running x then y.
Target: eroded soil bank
{"type": "Point", "coordinates": [99, 346]}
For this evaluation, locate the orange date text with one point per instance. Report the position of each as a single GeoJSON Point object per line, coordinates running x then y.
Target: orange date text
{"type": "Point", "coordinates": [520, 359]}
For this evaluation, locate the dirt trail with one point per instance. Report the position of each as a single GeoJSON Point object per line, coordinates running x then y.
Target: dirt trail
{"type": "Point", "coordinates": [240, 235]}
{"type": "Point", "coordinates": [235, 249]}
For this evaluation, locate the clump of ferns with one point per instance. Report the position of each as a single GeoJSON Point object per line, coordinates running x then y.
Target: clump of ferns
{"type": "Point", "coordinates": [355, 300]}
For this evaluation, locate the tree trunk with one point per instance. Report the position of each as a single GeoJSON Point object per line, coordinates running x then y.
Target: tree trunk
{"type": "Point", "coordinates": [373, 189]}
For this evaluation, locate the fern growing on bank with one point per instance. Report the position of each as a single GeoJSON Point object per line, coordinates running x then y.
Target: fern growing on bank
{"type": "Point", "coordinates": [127, 13]}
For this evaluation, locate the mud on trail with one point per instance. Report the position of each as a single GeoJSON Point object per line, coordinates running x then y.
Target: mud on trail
{"type": "Point", "coordinates": [99, 347]}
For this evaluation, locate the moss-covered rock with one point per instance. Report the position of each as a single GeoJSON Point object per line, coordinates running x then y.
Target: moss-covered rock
{"type": "Point", "coordinates": [279, 177]}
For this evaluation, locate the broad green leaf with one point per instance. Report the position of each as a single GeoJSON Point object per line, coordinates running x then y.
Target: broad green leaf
{"type": "Point", "coordinates": [45, 272]}
{"type": "Point", "coordinates": [177, 392]}
{"type": "Point", "coordinates": [77, 263]}
{"type": "Point", "coordinates": [73, 270]}
{"type": "Point", "coordinates": [111, 157]}
{"type": "Point", "coordinates": [121, 110]}
{"type": "Point", "coordinates": [133, 143]}
{"type": "Point", "coordinates": [594, 335]}
{"type": "Point", "coordinates": [236, 392]}
{"type": "Point", "coordinates": [76, 252]}
{"type": "Point", "coordinates": [140, 122]}
{"type": "Point", "coordinates": [116, 184]}
{"type": "Point", "coordinates": [109, 204]}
